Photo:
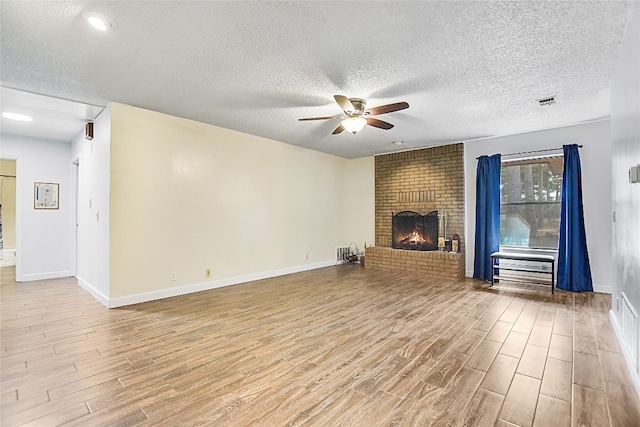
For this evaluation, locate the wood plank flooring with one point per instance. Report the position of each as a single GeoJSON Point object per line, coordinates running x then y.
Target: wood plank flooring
{"type": "Point", "coordinates": [339, 346]}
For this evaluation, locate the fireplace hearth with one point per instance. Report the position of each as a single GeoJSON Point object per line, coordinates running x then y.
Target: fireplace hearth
{"type": "Point", "coordinates": [413, 231]}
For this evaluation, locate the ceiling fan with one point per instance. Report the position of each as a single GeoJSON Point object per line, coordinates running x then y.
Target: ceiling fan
{"type": "Point", "coordinates": [357, 116]}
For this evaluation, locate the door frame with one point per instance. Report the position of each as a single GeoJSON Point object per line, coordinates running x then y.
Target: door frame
{"type": "Point", "coordinates": [18, 232]}
{"type": "Point", "coordinates": [75, 183]}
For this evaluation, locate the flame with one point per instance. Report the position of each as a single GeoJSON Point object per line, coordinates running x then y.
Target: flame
{"type": "Point", "coordinates": [414, 238]}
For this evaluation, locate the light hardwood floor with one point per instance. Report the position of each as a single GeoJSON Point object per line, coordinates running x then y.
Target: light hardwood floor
{"type": "Point", "coordinates": [336, 346]}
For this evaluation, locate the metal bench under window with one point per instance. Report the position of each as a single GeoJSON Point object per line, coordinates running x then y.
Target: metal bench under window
{"type": "Point", "coordinates": [523, 268]}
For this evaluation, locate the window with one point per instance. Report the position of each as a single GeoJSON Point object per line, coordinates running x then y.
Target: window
{"type": "Point", "coordinates": [530, 202]}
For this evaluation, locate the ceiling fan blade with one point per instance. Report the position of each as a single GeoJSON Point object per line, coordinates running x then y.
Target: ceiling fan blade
{"type": "Point", "coordinates": [320, 118]}
{"type": "Point", "coordinates": [389, 108]}
{"type": "Point", "coordinates": [378, 123]}
{"type": "Point", "coordinates": [344, 103]}
{"type": "Point", "coordinates": [338, 130]}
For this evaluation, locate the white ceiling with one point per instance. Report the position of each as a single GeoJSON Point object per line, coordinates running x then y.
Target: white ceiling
{"type": "Point", "coordinates": [468, 69]}
{"type": "Point", "coordinates": [54, 118]}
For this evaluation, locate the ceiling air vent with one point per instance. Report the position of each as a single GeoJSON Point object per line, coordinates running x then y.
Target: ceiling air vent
{"type": "Point", "coordinates": [547, 101]}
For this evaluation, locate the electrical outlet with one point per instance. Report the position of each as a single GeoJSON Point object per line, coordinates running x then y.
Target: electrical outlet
{"type": "Point", "coordinates": [307, 257]}
{"type": "Point", "coordinates": [173, 276]}
{"type": "Point", "coordinates": [207, 272]}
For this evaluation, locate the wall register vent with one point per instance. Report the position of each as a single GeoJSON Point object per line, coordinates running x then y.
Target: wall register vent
{"type": "Point", "coordinates": [547, 101]}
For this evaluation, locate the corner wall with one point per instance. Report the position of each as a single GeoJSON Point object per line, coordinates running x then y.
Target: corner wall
{"type": "Point", "coordinates": [93, 157]}
{"type": "Point", "coordinates": [596, 185]}
{"type": "Point", "coordinates": [625, 135]}
{"type": "Point", "coordinates": [186, 197]}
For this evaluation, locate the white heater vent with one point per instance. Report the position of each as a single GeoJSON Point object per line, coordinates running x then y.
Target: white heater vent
{"type": "Point", "coordinates": [630, 329]}
{"type": "Point", "coordinates": [342, 254]}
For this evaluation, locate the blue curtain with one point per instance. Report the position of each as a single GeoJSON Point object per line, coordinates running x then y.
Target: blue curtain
{"type": "Point", "coordinates": [574, 271]}
{"type": "Point", "coordinates": [487, 215]}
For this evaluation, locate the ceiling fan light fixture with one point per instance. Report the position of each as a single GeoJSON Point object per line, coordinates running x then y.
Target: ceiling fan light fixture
{"type": "Point", "coordinates": [354, 124]}
{"type": "Point", "coordinates": [357, 116]}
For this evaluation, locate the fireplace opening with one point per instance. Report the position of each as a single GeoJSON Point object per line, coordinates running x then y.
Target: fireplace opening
{"type": "Point", "coordinates": [413, 231]}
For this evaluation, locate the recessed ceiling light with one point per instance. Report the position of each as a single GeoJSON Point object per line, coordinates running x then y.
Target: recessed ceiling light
{"type": "Point", "coordinates": [17, 116]}
{"type": "Point", "coordinates": [398, 142]}
{"type": "Point", "coordinates": [98, 21]}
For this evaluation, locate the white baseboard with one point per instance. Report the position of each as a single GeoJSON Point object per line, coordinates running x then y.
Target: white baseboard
{"type": "Point", "coordinates": [603, 289]}
{"type": "Point", "coordinates": [7, 257]}
{"type": "Point", "coordinates": [94, 292]}
{"type": "Point", "coordinates": [635, 376]}
{"type": "Point", "coordinates": [205, 286]}
{"type": "Point", "coordinates": [47, 275]}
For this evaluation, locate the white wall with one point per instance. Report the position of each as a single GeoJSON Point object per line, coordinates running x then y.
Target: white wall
{"type": "Point", "coordinates": [625, 136]}
{"type": "Point", "coordinates": [186, 196]}
{"type": "Point", "coordinates": [596, 185]}
{"type": "Point", "coordinates": [43, 242]}
{"type": "Point", "coordinates": [93, 157]}
{"type": "Point", "coordinates": [358, 204]}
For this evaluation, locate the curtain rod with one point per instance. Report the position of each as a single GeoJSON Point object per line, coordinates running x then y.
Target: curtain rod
{"type": "Point", "coordinates": [534, 151]}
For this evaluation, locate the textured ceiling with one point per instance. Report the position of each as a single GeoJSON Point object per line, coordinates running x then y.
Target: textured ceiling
{"type": "Point", "coordinates": [468, 69]}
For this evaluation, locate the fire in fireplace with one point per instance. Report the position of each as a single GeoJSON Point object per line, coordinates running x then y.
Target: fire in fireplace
{"type": "Point", "coordinates": [413, 231]}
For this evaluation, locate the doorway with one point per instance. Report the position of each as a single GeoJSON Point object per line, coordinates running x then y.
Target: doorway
{"type": "Point", "coordinates": [7, 212]}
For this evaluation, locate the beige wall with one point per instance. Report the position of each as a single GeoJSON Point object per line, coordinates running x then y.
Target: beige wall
{"type": "Point", "coordinates": [8, 167]}
{"type": "Point", "coordinates": [186, 197]}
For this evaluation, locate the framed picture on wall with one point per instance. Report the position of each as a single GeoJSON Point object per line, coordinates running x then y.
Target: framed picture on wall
{"type": "Point", "coordinates": [46, 195]}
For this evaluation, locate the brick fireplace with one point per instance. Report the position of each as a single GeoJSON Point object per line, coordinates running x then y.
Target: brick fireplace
{"type": "Point", "coordinates": [421, 181]}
